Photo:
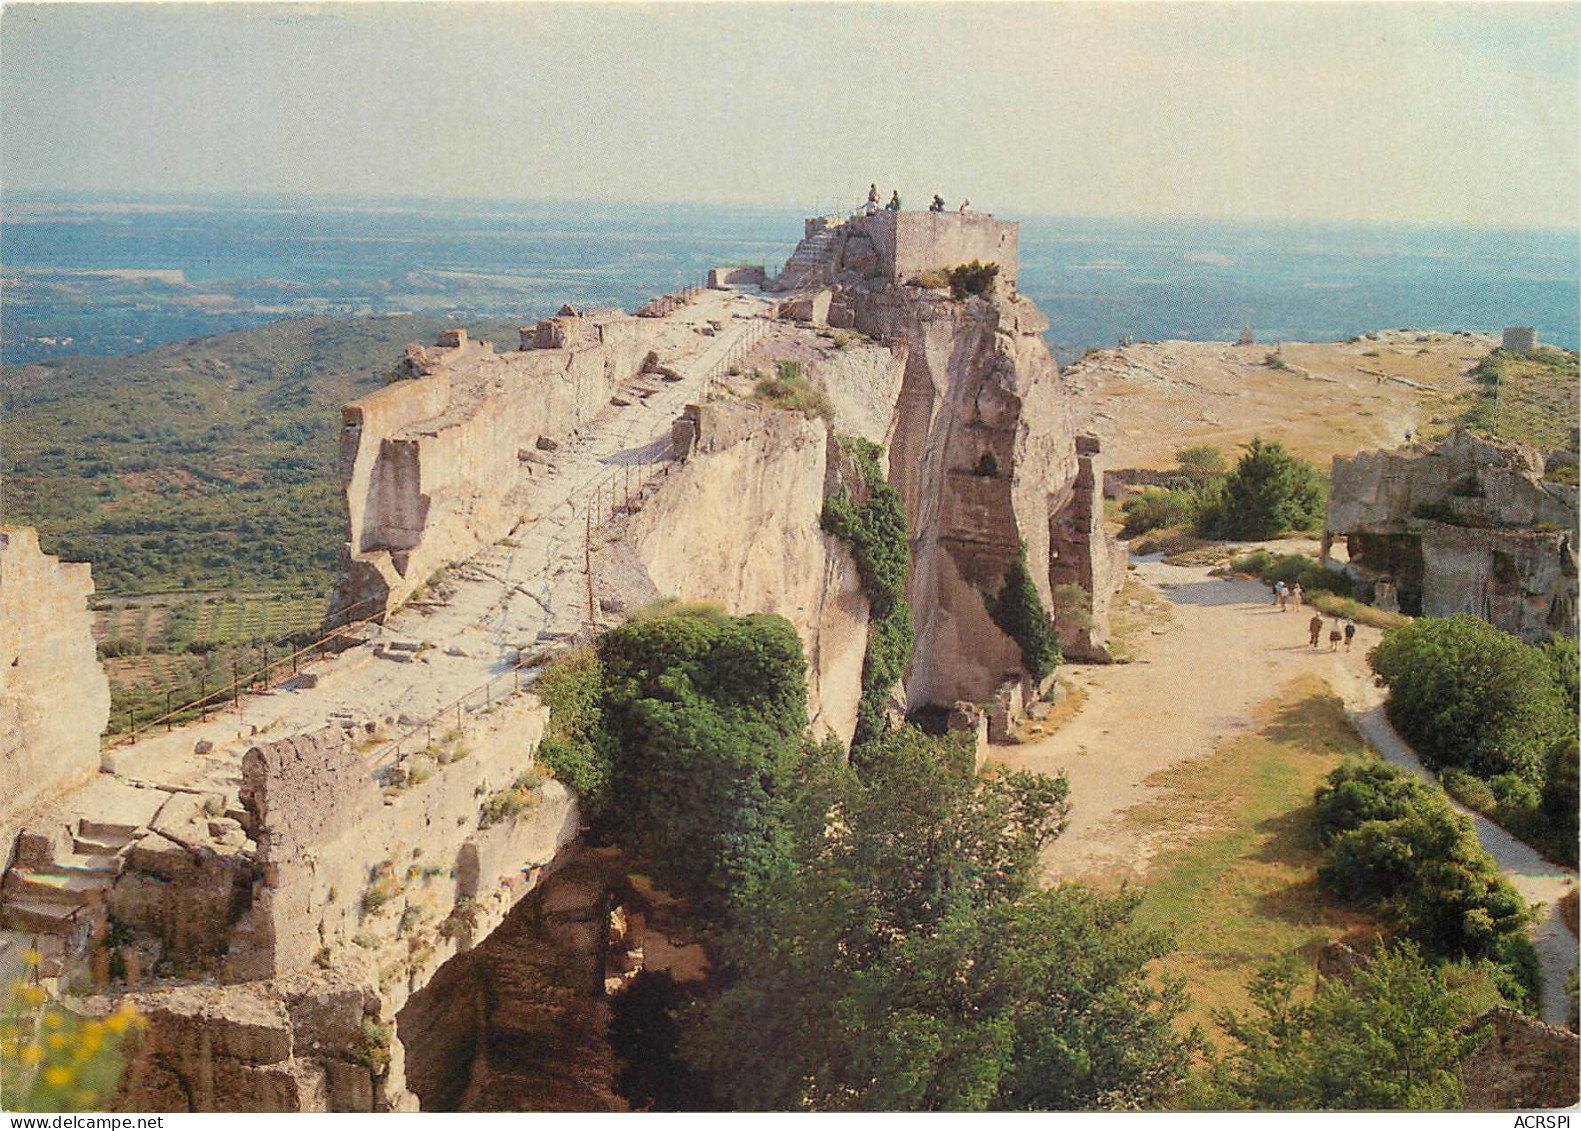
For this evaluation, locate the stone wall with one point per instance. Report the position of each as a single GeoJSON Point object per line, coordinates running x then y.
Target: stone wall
{"type": "Point", "coordinates": [365, 875]}
{"type": "Point", "coordinates": [1520, 339]}
{"type": "Point", "coordinates": [433, 465]}
{"type": "Point", "coordinates": [1077, 545]}
{"type": "Point", "coordinates": [720, 278]}
{"type": "Point", "coordinates": [54, 696]}
{"type": "Point", "coordinates": [1521, 1065]}
{"type": "Point", "coordinates": [906, 244]}
{"type": "Point", "coordinates": [348, 848]}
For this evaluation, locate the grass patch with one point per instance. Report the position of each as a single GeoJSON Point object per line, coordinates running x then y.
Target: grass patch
{"type": "Point", "coordinates": [1527, 397]}
{"type": "Point", "coordinates": [508, 804]}
{"type": "Point", "coordinates": [1059, 714]}
{"type": "Point", "coordinates": [1336, 606]}
{"type": "Point", "coordinates": [1168, 540]}
{"type": "Point", "coordinates": [789, 389]}
{"type": "Point", "coordinates": [1524, 818]}
{"type": "Point", "coordinates": [1135, 610]}
{"type": "Point", "coordinates": [1241, 885]}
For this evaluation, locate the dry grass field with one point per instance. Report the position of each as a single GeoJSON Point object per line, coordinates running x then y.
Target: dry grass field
{"type": "Point", "coordinates": [1149, 400]}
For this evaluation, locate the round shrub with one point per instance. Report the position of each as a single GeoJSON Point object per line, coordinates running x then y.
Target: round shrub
{"type": "Point", "coordinates": [1468, 695]}
{"type": "Point", "coordinates": [1157, 508]}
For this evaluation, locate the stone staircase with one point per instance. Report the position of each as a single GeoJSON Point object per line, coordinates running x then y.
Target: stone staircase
{"type": "Point", "coordinates": [806, 266]}
{"type": "Point", "coordinates": [55, 890]}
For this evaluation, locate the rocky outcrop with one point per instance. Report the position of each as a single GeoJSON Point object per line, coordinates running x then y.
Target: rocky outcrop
{"type": "Point", "coordinates": [986, 461]}
{"type": "Point", "coordinates": [350, 876]}
{"type": "Point", "coordinates": [310, 1043]}
{"type": "Point", "coordinates": [54, 697]}
{"type": "Point", "coordinates": [739, 522]}
{"type": "Point", "coordinates": [1521, 1064]}
{"type": "Point", "coordinates": [434, 465]}
{"type": "Point", "coordinates": [1466, 527]}
{"type": "Point", "coordinates": [892, 248]}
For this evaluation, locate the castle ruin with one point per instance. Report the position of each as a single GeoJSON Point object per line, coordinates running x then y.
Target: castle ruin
{"type": "Point", "coordinates": [1468, 526]}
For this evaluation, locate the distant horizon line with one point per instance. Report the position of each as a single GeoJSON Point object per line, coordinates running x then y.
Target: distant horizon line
{"type": "Point", "coordinates": [277, 200]}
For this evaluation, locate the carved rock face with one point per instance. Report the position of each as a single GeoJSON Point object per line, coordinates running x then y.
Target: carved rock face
{"type": "Point", "coordinates": [985, 458]}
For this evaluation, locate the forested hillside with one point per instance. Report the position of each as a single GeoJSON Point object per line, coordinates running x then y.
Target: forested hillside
{"type": "Point", "coordinates": [208, 464]}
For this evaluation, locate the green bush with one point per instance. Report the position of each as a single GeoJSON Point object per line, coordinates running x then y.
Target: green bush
{"type": "Point", "coordinates": [1387, 1038]}
{"type": "Point", "coordinates": [1312, 576]}
{"type": "Point", "coordinates": [1157, 508]}
{"type": "Point", "coordinates": [1362, 791]}
{"type": "Point", "coordinates": [1565, 666]}
{"type": "Point", "coordinates": [788, 389]}
{"type": "Point", "coordinates": [1253, 563]}
{"type": "Point", "coordinates": [1397, 846]}
{"type": "Point", "coordinates": [973, 278]}
{"type": "Point", "coordinates": [908, 958]}
{"type": "Point", "coordinates": [1201, 463]}
{"type": "Point", "coordinates": [1269, 492]}
{"type": "Point", "coordinates": [1465, 694]}
{"type": "Point", "coordinates": [876, 532]}
{"type": "Point", "coordinates": [575, 746]}
{"type": "Point", "coordinates": [1019, 613]}
{"type": "Point", "coordinates": [1559, 791]}
{"type": "Point", "coordinates": [706, 717]}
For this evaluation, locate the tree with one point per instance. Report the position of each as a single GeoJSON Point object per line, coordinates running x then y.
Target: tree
{"type": "Point", "coordinates": [706, 715]}
{"type": "Point", "coordinates": [909, 960]}
{"type": "Point", "coordinates": [1385, 1038]}
{"type": "Point", "coordinates": [1270, 491]}
{"type": "Point", "coordinates": [1397, 846]}
{"type": "Point", "coordinates": [1467, 695]}
{"type": "Point", "coordinates": [1018, 612]}
{"type": "Point", "coordinates": [1201, 463]}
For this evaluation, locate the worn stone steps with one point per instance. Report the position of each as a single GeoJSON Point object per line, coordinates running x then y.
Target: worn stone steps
{"type": "Point", "coordinates": [105, 836]}
{"type": "Point", "coordinates": [32, 914]}
{"type": "Point", "coordinates": [26, 886]}
{"type": "Point", "coordinates": [81, 864]}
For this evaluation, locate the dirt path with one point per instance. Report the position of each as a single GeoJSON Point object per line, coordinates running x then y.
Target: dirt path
{"type": "Point", "coordinates": [1222, 650]}
{"type": "Point", "coordinates": [523, 592]}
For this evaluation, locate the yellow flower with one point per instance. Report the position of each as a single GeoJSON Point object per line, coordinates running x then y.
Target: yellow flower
{"type": "Point", "coordinates": [57, 1077]}
{"type": "Point", "coordinates": [32, 957]}
{"type": "Point", "coordinates": [34, 994]}
{"type": "Point", "coordinates": [90, 1044]}
{"type": "Point", "coordinates": [56, 1040]}
{"type": "Point", "coordinates": [32, 1054]}
{"type": "Point", "coordinates": [116, 1022]}
{"type": "Point", "coordinates": [52, 1021]}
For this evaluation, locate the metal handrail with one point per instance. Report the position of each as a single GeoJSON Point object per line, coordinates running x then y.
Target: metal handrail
{"type": "Point", "coordinates": [235, 690]}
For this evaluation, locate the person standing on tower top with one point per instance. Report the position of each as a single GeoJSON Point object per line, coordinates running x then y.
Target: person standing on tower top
{"type": "Point", "coordinates": [872, 198]}
{"type": "Point", "coordinates": [966, 207]}
{"type": "Point", "coordinates": [894, 202]}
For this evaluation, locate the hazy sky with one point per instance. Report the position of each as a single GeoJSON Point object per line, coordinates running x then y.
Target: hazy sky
{"type": "Point", "coordinates": [1438, 113]}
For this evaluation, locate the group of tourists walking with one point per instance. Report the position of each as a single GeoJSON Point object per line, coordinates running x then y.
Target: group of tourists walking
{"type": "Point", "coordinates": [1335, 634]}
{"type": "Point", "coordinates": [1287, 595]}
